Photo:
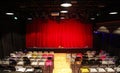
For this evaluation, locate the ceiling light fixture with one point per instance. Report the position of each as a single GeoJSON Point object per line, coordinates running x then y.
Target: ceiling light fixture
{"type": "Point", "coordinates": [15, 18]}
{"type": "Point", "coordinates": [117, 31]}
{"type": "Point", "coordinates": [113, 13]}
{"type": "Point", "coordinates": [62, 18]}
{"type": "Point", "coordinates": [9, 13]}
{"type": "Point", "coordinates": [66, 5]}
{"type": "Point", "coordinates": [55, 14]}
{"type": "Point", "coordinates": [103, 29]}
{"type": "Point", "coordinates": [29, 18]}
{"type": "Point", "coordinates": [64, 11]}
{"type": "Point", "coordinates": [92, 18]}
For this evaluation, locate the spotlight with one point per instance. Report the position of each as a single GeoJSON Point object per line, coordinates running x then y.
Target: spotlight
{"type": "Point", "coordinates": [55, 14]}
{"type": "Point", "coordinates": [66, 5]}
{"type": "Point", "coordinates": [113, 13]}
{"type": "Point", "coordinates": [9, 13]}
{"type": "Point", "coordinates": [15, 18]}
{"type": "Point", "coordinates": [62, 18]}
{"type": "Point", "coordinates": [64, 11]}
{"type": "Point", "coordinates": [29, 18]}
{"type": "Point", "coordinates": [92, 18]}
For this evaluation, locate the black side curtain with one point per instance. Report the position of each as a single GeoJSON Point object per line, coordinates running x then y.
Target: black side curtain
{"type": "Point", "coordinates": [12, 35]}
{"type": "Point", "coordinates": [10, 42]}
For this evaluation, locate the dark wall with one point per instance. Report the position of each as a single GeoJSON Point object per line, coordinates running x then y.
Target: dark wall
{"type": "Point", "coordinates": [12, 35]}
{"type": "Point", "coordinates": [107, 41]}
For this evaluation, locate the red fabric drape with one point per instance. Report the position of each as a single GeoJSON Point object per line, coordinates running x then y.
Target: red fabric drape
{"type": "Point", "coordinates": [51, 34]}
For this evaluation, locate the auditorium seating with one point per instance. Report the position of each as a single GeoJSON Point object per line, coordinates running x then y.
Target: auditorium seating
{"type": "Point", "coordinates": [31, 61]}
{"type": "Point", "coordinates": [89, 61]}
{"type": "Point", "coordinates": [94, 62]}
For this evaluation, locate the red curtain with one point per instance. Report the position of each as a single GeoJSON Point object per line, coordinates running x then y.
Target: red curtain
{"type": "Point", "coordinates": [69, 33]}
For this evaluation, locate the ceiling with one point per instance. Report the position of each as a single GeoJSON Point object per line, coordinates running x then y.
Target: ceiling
{"type": "Point", "coordinates": [83, 9]}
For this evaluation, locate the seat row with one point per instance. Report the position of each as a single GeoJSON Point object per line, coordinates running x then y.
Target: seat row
{"type": "Point", "coordinates": [29, 61]}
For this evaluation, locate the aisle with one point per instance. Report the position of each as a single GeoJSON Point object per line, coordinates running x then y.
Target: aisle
{"type": "Point", "coordinates": [60, 64]}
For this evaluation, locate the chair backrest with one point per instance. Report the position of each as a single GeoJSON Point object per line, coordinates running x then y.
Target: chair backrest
{"type": "Point", "coordinates": [38, 70]}
{"type": "Point", "coordinates": [93, 70]}
{"type": "Point", "coordinates": [79, 55]}
{"type": "Point", "coordinates": [11, 68]}
{"type": "Point", "coordinates": [34, 63]}
{"type": "Point", "coordinates": [41, 63]}
{"type": "Point", "coordinates": [101, 70]}
{"type": "Point", "coordinates": [20, 68]}
{"type": "Point", "coordinates": [48, 63]}
{"type": "Point", "coordinates": [111, 70]}
{"type": "Point", "coordinates": [84, 70]}
{"type": "Point", "coordinates": [20, 62]}
{"type": "Point", "coordinates": [45, 55]}
{"type": "Point", "coordinates": [12, 62]}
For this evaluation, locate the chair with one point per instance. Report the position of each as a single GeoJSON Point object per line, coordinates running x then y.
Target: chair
{"type": "Point", "coordinates": [34, 54]}
{"type": "Point", "coordinates": [93, 70]}
{"type": "Point", "coordinates": [29, 69]}
{"type": "Point", "coordinates": [26, 61]}
{"type": "Point", "coordinates": [6, 62]}
{"type": "Point", "coordinates": [105, 62]}
{"type": "Point", "coordinates": [11, 68]}
{"type": "Point", "coordinates": [91, 62]}
{"type": "Point", "coordinates": [12, 62]}
{"type": "Point", "coordinates": [49, 66]}
{"type": "Point", "coordinates": [79, 55]}
{"type": "Point", "coordinates": [98, 61]}
{"type": "Point", "coordinates": [73, 55]}
{"type": "Point", "coordinates": [37, 59]}
{"type": "Point", "coordinates": [78, 61]}
{"type": "Point", "coordinates": [12, 55]}
{"type": "Point", "coordinates": [84, 70]}
{"type": "Point", "coordinates": [29, 55]}
{"type": "Point", "coordinates": [38, 70]}
{"type": "Point", "coordinates": [51, 52]}
{"type": "Point", "coordinates": [117, 69]}
{"type": "Point", "coordinates": [48, 63]}
{"type": "Point", "coordinates": [45, 52]}
{"type": "Point", "coordinates": [44, 55]}
{"type": "Point", "coordinates": [41, 64]}
{"type": "Point", "coordinates": [32, 59]}
{"type": "Point", "coordinates": [20, 63]}
{"type": "Point", "coordinates": [68, 57]}
{"type": "Point", "coordinates": [85, 61]}
{"type": "Point", "coordinates": [34, 63]}
{"type": "Point", "coordinates": [93, 53]}
{"type": "Point", "coordinates": [20, 68]}
{"type": "Point", "coordinates": [110, 70]}
{"type": "Point", "coordinates": [101, 70]}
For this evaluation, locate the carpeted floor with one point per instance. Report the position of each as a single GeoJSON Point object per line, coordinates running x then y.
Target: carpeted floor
{"type": "Point", "coordinates": [61, 65]}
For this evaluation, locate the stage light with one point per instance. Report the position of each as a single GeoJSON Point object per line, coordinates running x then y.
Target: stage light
{"type": "Point", "coordinates": [9, 13]}
{"type": "Point", "coordinates": [113, 13]}
{"type": "Point", "coordinates": [62, 17]}
{"type": "Point", "coordinates": [55, 14]}
{"type": "Point", "coordinates": [29, 18]}
{"type": "Point", "coordinates": [15, 18]}
{"type": "Point", "coordinates": [64, 11]}
{"type": "Point", "coordinates": [66, 5]}
{"type": "Point", "coordinates": [92, 18]}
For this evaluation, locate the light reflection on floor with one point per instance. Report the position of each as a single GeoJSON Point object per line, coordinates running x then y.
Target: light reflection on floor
{"type": "Point", "coordinates": [61, 65]}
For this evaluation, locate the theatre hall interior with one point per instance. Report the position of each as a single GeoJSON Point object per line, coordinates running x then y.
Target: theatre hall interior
{"type": "Point", "coordinates": [59, 36]}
